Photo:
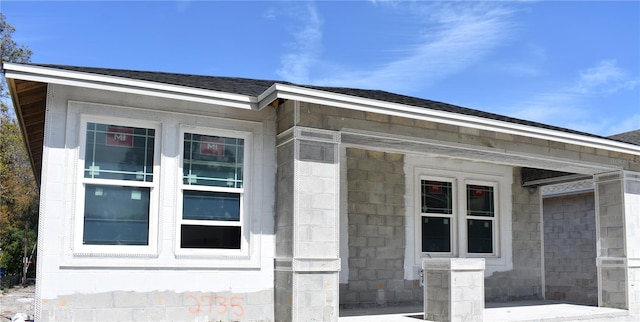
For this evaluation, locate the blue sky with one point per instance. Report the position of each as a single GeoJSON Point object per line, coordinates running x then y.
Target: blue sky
{"type": "Point", "coordinates": [574, 64]}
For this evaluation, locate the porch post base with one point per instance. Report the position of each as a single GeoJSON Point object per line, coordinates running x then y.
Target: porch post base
{"type": "Point", "coordinates": [453, 289]}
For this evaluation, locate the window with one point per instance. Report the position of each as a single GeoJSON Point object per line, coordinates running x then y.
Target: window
{"type": "Point", "coordinates": [212, 192]}
{"type": "Point", "coordinates": [118, 188]}
{"type": "Point", "coordinates": [458, 208]}
{"type": "Point", "coordinates": [437, 214]}
{"type": "Point", "coordinates": [162, 189]}
{"type": "Point", "coordinates": [480, 219]}
{"type": "Point", "coordinates": [446, 202]}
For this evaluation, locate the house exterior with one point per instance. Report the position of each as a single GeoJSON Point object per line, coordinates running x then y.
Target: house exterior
{"type": "Point", "coordinates": [184, 197]}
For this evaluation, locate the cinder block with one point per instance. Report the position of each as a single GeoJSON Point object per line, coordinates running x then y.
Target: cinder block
{"type": "Point", "coordinates": [381, 118]}
{"type": "Point", "coordinates": [115, 314]}
{"type": "Point", "coordinates": [129, 299]}
{"type": "Point", "coordinates": [259, 298]}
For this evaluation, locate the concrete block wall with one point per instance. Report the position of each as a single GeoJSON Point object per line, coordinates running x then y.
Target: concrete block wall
{"type": "Point", "coordinates": [331, 118]}
{"type": "Point", "coordinates": [284, 204]}
{"type": "Point", "coordinates": [160, 306]}
{"type": "Point", "coordinates": [307, 260]}
{"type": "Point", "coordinates": [612, 274]}
{"type": "Point", "coordinates": [437, 296]}
{"type": "Point", "coordinates": [614, 287]}
{"type": "Point", "coordinates": [376, 216]}
{"type": "Point", "coordinates": [570, 248]}
{"type": "Point", "coordinates": [618, 223]}
{"type": "Point", "coordinates": [524, 281]}
{"type": "Point", "coordinates": [611, 213]}
{"type": "Point", "coordinates": [453, 289]}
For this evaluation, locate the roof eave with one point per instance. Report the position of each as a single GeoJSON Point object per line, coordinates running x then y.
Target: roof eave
{"type": "Point", "coordinates": [127, 85]}
{"type": "Point", "coordinates": [285, 91]}
{"type": "Point", "coordinates": [23, 128]}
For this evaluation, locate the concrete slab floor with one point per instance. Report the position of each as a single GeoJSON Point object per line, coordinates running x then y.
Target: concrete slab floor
{"type": "Point", "coordinates": [522, 311]}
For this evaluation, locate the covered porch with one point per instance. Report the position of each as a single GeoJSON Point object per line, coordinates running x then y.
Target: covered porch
{"type": "Point", "coordinates": [533, 310]}
{"type": "Point", "coordinates": [371, 170]}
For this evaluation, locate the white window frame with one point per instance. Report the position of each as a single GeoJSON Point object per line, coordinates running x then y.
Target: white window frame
{"type": "Point", "coordinates": [455, 209]}
{"type": "Point", "coordinates": [459, 236]}
{"type": "Point", "coordinates": [244, 192]}
{"type": "Point", "coordinates": [495, 219]}
{"type": "Point", "coordinates": [463, 172]}
{"type": "Point", "coordinates": [151, 249]}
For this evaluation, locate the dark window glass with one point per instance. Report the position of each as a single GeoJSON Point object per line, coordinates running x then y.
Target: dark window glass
{"type": "Point", "coordinates": [210, 237]}
{"type": "Point", "coordinates": [119, 152]}
{"type": "Point", "coordinates": [205, 205]}
{"type": "Point", "coordinates": [480, 201]}
{"type": "Point", "coordinates": [436, 234]}
{"type": "Point", "coordinates": [480, 236]}
{"type": "Point", "coordinates": [436, 197]}
{"type": "Point", "coordinates": [213, 161]}
{"type": "Point", "coordinates": [115, 215]}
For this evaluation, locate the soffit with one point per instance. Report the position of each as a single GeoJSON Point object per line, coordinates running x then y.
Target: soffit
{"type": "Point", "coordinates": [30, 100]}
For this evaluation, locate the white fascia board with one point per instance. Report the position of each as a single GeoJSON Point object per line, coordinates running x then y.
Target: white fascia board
{"type": "Point", "coordinates": [421, 113]}
{"type": "Point", "coordinates": [120, 84]}
{"type": "Point", "coordinates": [268, 96]}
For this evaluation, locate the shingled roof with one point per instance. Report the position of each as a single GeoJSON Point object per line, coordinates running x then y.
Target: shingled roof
{"type": "Point", "coordinates": [30, 96]}
{"type": "Point", "coordinates": [632, 137]}
{"type": "Point", "coordinates": [255, 87]}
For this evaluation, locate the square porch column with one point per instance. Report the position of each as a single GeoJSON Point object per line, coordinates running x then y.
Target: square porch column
{"type": "Point", "coordinates": [453, 289]}
{"type": "Point", "coordinates": [307, 260]}
{"type": "Point", "coordinates": [618, 240]}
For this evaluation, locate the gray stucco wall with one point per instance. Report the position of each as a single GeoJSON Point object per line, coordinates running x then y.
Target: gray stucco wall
{"type": "Point", "coordinates": [525, 280]}
{"type": "Point", "coordinates": [570, 248]}
{"type": "Point", "coordinates": [376, 231]}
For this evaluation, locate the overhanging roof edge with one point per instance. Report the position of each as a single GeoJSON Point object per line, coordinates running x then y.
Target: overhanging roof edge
{"type": "Point", "coordinates": [294, 92]}
{"type": "Point", "coordinates": [75, 78]}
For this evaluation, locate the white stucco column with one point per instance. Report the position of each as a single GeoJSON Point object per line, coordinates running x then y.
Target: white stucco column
{"type": "Point", "coordinates": [618, 239]}
{"type": "Point", "coordinates": [307, 259]}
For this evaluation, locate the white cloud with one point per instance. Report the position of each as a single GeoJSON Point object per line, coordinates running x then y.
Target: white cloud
{"type": "Point", "coordinates": [631, 123]}
{"type": "Point", "coordinates": [454, 37]}
{"type": "Point", "coordinates": [305, 49]}
{"type": "Point", "coordinates": [606, 77]}
{"type": "Point", "coordinates": [571, 106]}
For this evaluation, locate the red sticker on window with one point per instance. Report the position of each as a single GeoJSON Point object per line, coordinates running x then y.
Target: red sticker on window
{"type": "Point", "coordinates": [435, 187]}
{"type": "Point", "coordinates": [478, 191]}
{"type": "Point", "coordinates": [211, 146]}
{"type": "Point", "coordinates": [119, 136]}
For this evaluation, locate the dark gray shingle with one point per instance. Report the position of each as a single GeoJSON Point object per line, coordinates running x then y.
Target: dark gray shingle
{"type": "Point", "coordinates": [254, 87]}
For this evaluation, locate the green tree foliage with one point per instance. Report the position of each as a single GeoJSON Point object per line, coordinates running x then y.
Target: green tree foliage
{"type": "Point", "coordinates": [18, 188]}
{"type": "Point", "coordinates": [10, 51]}
{"type": "Point", "coordinates": [13, 251]}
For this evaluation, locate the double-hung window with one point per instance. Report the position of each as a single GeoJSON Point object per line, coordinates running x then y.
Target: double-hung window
{"type": "Point", "coordinates": [481, 218]}
{"type": "Point", "coordinates": [212, 192]}
{"type": "Point", "coordinates": [437, 215]}
{"type": "Point", "coordinates": [118, 188]}
{"type": "Point", "coordinates": [457, 216]}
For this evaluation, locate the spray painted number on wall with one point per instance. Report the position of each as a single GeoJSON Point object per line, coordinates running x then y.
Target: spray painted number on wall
{"type": "Point", "coordinates": [222, 304]}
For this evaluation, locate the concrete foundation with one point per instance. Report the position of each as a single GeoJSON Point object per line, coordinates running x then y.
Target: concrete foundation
{"type": "Point", "coordinates": [160, 306]}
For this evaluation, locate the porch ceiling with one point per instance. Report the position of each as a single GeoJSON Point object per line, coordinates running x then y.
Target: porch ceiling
{"type": "Point", "coordinates": [29, 101]}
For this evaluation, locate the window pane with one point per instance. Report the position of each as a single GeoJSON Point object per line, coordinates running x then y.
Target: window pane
{"type": "Point", "coordinates": [205, 205]}
{"type": "Point", "coordinates": [119, 152]}
{"type": "Point", "coordinates": [116, 215]}
{"type": "Point", "coordinates": [480, 201]}
{"type": "Point", "coordinates": [210, 237]}
{"type": "Point", "coordinates": [436, 197]}
{"type": "Point", "coordinates": [213, 160]}
{"type": "Point", "coordinates": [480, 236]}
{"type": "Point", "coordinates": [436, 234]}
